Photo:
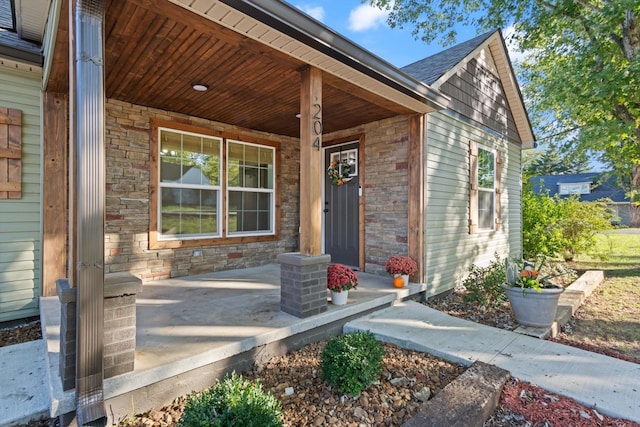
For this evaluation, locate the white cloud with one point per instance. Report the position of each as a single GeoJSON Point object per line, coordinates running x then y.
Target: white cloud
{"type": "Point", "coordinates": [366, 17]}
{"type": "Point", "coordinates": [515, 53]}
{"type": "Point", "coordinates": [316, 12]}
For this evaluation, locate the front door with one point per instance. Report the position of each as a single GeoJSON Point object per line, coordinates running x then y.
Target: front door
{"type": "Point", "coordinates": [341, 213]}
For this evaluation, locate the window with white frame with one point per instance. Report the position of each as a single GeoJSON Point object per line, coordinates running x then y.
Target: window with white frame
{"type": "Point", "coordinates": [190, 185]}
{"type": "Point", "coordinates": [208, 189]}
{"type": "Point", "coordinates": [486, 189]}
{"type": "Point", "coordinates": [250, 189]}
{"type": "Point", "coordinates": [349, 156]}
{"type": "Point", "coordinates": [566, 188]}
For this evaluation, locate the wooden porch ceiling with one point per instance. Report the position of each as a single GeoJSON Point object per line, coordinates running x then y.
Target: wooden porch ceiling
{"type": "Point", "coordinates": [155, 51]}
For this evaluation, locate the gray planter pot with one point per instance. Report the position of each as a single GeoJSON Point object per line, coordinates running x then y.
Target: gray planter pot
{"type": "Point", "coordinates": [531, 308]}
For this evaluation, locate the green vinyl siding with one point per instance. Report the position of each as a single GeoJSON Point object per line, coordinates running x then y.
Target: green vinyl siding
{"type": "Point", "coordinates": [449, 248]}
{"type": "Point", "coordinates": [20, 219]}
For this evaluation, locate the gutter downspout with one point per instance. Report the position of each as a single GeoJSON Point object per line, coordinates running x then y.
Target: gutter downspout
{"type": "Point", "coordinates": [90, 147]}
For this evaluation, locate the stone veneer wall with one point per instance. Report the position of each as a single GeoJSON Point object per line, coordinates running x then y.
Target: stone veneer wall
{"type": "Point", "coordinates": [127, 201]}
{"type": "Point", "coordinates": [386, 151]}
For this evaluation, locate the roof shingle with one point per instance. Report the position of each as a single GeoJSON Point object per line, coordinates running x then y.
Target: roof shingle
{"type": "Point", "coordinates": [431, 68]}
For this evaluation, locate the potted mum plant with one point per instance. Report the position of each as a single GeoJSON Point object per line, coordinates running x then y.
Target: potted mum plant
{"type": "Point", "coordinates": [533, 296]}
{"type": "Point", "coordinates": [401, 266]}
{"type": "Point", "coordinates": [340, 279]}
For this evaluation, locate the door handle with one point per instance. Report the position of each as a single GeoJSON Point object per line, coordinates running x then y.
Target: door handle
{"type": "Point", "coordinates": [325, 210]}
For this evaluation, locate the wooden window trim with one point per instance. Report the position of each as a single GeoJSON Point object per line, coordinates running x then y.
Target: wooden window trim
{"type": "Point", "coordinates": [10, 153]}
{"type": "Point", "coordinates": [498, 189]}
{"type": "Point", "coordinates": [154, 234]}
{"type": "Point", "coordinates": [474, 189]}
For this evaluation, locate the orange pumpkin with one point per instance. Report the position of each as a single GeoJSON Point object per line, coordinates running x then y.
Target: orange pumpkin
{"type": "Point", "coordinates": [398, 282]}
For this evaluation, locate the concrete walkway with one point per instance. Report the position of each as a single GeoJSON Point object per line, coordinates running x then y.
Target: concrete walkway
{"type": "Point", "coordinates": [23, 394]}
{"type": "Point", "coordinates": [610, 385]}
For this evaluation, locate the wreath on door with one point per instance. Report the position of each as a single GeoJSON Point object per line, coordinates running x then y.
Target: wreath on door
{"type": "Point", "coordinates": [339, 172]}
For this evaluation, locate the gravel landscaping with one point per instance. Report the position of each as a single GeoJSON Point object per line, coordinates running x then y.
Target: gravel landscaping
{"type": "Point", "coordinates": [409, 378]}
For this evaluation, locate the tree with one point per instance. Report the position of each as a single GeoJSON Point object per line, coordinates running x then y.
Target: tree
{"type": "Point", "coordinates": [552, 161]}
{"type": "Point", "coordinates": [581, 75]}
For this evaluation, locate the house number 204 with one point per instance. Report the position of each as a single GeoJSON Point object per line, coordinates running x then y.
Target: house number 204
{"type": "Point", "coordinates": [317, 126]}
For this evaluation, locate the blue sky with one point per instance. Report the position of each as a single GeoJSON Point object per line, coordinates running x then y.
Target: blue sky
{"type": "Point", "coordinates": [367, 27]}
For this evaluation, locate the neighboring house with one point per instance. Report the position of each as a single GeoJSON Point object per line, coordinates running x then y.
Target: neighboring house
{"type": "Point", "coordinates": [589, 187]}
{"type": "Point", "coordinates": [264, 98]}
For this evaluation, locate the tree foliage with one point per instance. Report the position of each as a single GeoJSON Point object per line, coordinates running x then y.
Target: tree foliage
{"type": "Point", "coordinates": [553, 161]}
{"type": "Point", "coordinates": [581, 76]}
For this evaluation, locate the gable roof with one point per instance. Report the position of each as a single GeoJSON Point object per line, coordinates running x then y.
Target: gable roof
{"type": "Point", "coordinates": [602, 185]}
{"type": "Point", "coordinates": [437, 69]}
{"type": "Point", "coordinates": [431, 68]}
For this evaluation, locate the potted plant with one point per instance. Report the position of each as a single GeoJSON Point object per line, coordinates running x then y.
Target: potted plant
{"type": "Point", "coordinates": [402, 266]}
{"type": "Point", "coordinates": [340, 279]}
{"type": "Point", "coordinates": [533, 296]}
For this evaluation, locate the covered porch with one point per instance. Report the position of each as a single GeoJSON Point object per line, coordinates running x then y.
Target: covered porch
{"type": "Point", "coordinates": [194, 329]}
{"type": "Point", "coordinates": [249, 95]}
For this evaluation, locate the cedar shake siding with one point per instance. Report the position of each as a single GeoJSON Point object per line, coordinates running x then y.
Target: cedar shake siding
{"type": "Point", "coordinates": [477, 93]}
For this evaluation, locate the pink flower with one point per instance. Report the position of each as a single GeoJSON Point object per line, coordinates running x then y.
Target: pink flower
{"type": "Point", "coordinates": [341, 278]}
{"type": "Point", "coordinates": [401, 265]}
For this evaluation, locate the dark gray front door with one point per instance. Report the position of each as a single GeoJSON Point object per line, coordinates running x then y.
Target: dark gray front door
{"type": "Point", "coordinates": [341, 211]}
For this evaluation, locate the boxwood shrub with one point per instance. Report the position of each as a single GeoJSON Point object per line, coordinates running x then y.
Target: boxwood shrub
{"type": "Point", "coordinates": [233, 401]}
{"type": "Point", "coordinates": [351, 363]}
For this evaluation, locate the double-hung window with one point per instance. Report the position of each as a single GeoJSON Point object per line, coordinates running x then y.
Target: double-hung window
{"type": "Point", "coordinates": [485, 193]}
{"type": "Point", "coordinates": [486, 189]}
{"type": "Point", "coordinates": [190, 185]}
{"type": "Point", "coordinates": [207, 189]}
{"type": "Point", "coordinates": [250, 189]}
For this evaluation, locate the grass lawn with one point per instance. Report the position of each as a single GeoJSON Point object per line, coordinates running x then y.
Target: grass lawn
{"type": "Point", "coordinates": [611, 316]}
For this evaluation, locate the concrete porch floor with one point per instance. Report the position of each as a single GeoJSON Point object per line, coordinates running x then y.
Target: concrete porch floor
{"type": "Point", "coordinates": [191, 330]}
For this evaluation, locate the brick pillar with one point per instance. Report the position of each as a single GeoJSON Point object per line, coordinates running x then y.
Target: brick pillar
{"type": "Point", "coordinates": [67, 296]}
{"type": "Point", "coordinates": [119, 326]}
{"type": "Point", "coordinates": [303, 284]}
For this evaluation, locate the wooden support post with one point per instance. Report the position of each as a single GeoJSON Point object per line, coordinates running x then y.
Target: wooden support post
{"type": "Point", "coordinates": [311, 162]}
{"type": "Point", "coordinates": [54, 192]}
{"type": "Point", "coordinates": [415, 232]}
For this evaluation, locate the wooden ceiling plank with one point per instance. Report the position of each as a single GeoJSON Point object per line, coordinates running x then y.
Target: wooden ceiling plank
{"type": "Point", "coordinates": [161, 79]}
{"type": "Point", "coordinates": [176, 35]}
{"type": "Point", "coordinates": [132, 24]}
{"type": "Point", "coordinates": [251, 84]}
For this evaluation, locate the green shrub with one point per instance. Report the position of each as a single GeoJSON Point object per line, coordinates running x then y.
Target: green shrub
{"type": "Point", "coordinates": [484, 284]}
{"type": "Point", "coordinates": [233, 401]}
{"type": "Point", "coordinates": [541, 232]}
{"type": "Point", "coordinates": [555, 226]}
{"type": "Point", "coordinates": [350, 363]}
{"type": "Point", "coordinates": [580, 222]}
